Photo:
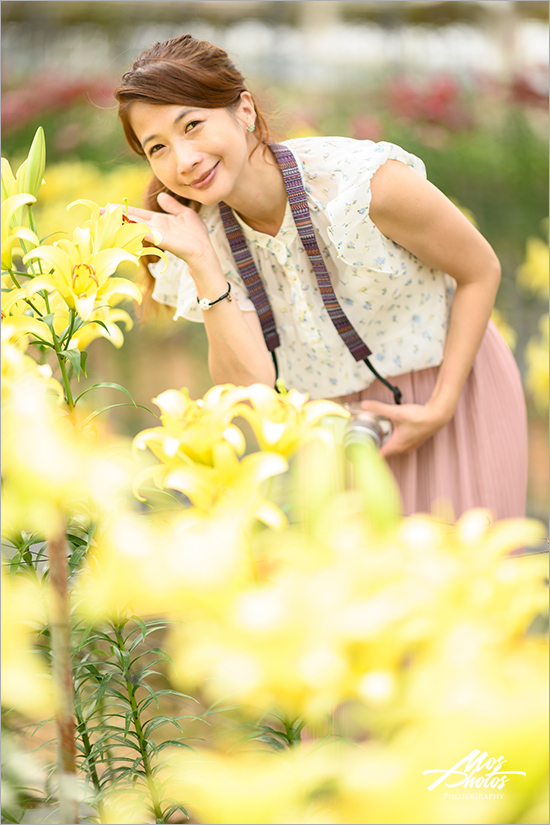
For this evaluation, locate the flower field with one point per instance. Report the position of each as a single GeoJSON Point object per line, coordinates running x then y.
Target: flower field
{"type": "Point", "coordinates": [219, 618]}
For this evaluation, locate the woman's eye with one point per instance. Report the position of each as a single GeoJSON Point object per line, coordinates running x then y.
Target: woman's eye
{"type": "Point", "coordinates": [191, 125]}
{"type": "Point", "coordinates": [154, 149]}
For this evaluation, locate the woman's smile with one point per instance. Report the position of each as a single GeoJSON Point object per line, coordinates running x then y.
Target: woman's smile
{"type": "Point", "coordinates": [205, 180]}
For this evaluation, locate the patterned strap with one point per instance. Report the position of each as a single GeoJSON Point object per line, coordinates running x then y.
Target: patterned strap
{"type": "Point", "coordinates": [300, 212]}
{"type": "Point", "coordinates": [249, 274]}
{"type": "Point", "coordinates": [247, 268]}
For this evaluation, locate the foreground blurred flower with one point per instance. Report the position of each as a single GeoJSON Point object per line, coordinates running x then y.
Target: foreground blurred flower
{"type": "Point", "coordinates": [283, 421]}
{"type": "Point", "coordinates": [255, 787]}
{"type": "Point", "coordinates": [344, 621]}
{"type": "Point", "coordinates": [26, 683]}
{"type": "Point", "coordinates": [51, 465]}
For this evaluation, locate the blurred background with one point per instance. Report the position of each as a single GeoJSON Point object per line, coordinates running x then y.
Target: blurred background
{"type": "Point", "coordinates": [464, 85]}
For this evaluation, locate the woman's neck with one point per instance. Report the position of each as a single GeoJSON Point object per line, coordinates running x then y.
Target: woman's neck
{"type": "Point", "coordinates": [261, 200]}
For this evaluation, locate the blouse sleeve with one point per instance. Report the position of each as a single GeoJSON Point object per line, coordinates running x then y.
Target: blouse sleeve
{"type": "Point", "coordinates": [357, 240]}
{"type": "Point", "coordinates": [175, 287]}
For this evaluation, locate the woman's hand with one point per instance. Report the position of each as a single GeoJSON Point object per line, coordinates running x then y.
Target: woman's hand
{"type": "Point", "coordinates": [413, 424]}
{"type": "Point", "coordinates": [182, 231]}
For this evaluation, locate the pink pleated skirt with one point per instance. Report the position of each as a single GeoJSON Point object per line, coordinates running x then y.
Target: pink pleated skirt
{"type": "Point", "coordinates": [479, 459]}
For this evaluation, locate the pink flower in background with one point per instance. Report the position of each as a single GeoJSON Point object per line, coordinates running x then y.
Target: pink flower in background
{"type": "Point", "coordinates": [48, 93]}
{"type": "Point", "coordinates": [438, 100]}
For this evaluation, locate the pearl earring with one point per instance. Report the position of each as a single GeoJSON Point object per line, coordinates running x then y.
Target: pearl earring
{"type": "Point", "coordinates": [250, 127]}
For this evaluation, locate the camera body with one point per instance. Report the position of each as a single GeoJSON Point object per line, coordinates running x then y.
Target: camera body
{"type": "Point", "coordinates": [365, 428]}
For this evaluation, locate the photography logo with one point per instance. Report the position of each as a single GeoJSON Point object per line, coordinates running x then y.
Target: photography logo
{"type": "Point", "coordinates": [476, 771]}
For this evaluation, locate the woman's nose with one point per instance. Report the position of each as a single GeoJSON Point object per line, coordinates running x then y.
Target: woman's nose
{"type": "Point", "coordinates": [186, 158]}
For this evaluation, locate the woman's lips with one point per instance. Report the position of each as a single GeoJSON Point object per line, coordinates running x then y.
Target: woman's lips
{"type": "Point", "coordinates": [206, 180]}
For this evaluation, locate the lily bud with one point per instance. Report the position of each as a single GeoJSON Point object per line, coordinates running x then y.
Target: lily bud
{"type": "Point", "coordinates": [31, 173]}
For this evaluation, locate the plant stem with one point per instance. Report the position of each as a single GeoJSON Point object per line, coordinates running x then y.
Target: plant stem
{"type": "Point", "coordinates": [62, 677]}
{"type": "Point", "coordinates": [18, 285]}
{"type": "Point", "coordinates": [131, 688]}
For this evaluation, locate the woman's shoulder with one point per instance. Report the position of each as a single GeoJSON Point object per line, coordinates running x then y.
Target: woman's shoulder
{"type": "Point", "coordinates": [348, 160]}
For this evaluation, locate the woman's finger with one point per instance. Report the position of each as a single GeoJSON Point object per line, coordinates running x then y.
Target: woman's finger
{"type": "Point", "coordinates": [170, 204]}
{"type": "Point", "coordinates": [390, 411]}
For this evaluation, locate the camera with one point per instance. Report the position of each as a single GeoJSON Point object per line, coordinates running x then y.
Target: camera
{"type": "Point", "coordinates": [365, 429]}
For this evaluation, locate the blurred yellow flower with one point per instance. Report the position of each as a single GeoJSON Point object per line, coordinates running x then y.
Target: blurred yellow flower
{"type": "Point", "coordinates": [51, 464]}
{"type": "Point", "coordinates": [26, 682]}
{"type": "Point", "coordinates": [536, 356]}
{"type": "Point", "coordinates": [282, 421]}
{"type": "Point", "coordinates": [254, 787]}
{"type": "Point", "coordinates": [533, 274]}
{"type": "Point", "coordinates": [506, 330]}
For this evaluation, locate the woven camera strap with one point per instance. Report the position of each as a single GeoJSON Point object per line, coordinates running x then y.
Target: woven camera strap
{"type": "Point", "coordinates": [247, 268]}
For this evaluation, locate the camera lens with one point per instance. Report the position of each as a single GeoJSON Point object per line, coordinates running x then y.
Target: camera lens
{"type": "Point", "coordinates": [365, 429]}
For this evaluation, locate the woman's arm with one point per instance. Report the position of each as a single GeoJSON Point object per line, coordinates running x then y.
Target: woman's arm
{"type": "Point", "coordinates": [412, 212]}
{"type": "Point", "coordinates": [237, 353]}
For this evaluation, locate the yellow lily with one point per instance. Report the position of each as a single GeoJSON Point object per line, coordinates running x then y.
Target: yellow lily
{"type": "Point", "coordinates": [19, 371]}
{"type": "Point", "coordinates": [110, 229]}
{"type": "Point", "coordinates": [108, 316]}
{"type": "Point", "coordinates": [81, 277]}
{"type": "Point", "coordinates": [13, 235]}
{"type": "Point", "coordinates": [82, 267]}
{"type": "Point", "coordinates": [281, 422]}
{"type": "Point", "coordinates": [231, 484]}
{"type": "Point", "coordinates": [191, 429]}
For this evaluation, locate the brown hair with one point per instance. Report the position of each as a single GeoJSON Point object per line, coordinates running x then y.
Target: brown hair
{"type": "Point", "coordinates": [183, 71]}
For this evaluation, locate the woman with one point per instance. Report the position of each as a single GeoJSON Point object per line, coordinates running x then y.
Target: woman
{"type": "Point", "coordinates": [391, 269]}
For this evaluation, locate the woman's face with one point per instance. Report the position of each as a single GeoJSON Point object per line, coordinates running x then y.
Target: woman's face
{"type": "Point", "coordinates": [200, 154]}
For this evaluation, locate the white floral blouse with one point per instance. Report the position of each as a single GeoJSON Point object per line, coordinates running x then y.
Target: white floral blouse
{"type": "Point", "coordinates": [398, 305]}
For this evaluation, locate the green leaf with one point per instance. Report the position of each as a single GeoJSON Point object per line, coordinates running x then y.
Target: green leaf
{"type": "Point", "coordinates": [127, 723]}
{"type": "Point", "coordinates": [148, 699]}
{"type": "Point", "coordinates": [73, 357]}
{"type": "Point", "coordinates": [110, 407]}
{"type": "Point", "coordinates": [175, 743]}
{"type": "Point", "coordinates": [158, 722]}
{"type": "Point", "coordinates": [172, 810]}
{"type": "Point", "coordinates": [107, 385]}
{"type": "Point", "coordinates": [48, 320]}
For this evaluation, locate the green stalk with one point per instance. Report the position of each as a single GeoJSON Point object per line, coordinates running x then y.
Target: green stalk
{"type": "Point", "coordinates": [71, 327]}
{"type": "Point", "coordinates": [131, 689]}
{"type": "Point", "coordinates": [86, 742]}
